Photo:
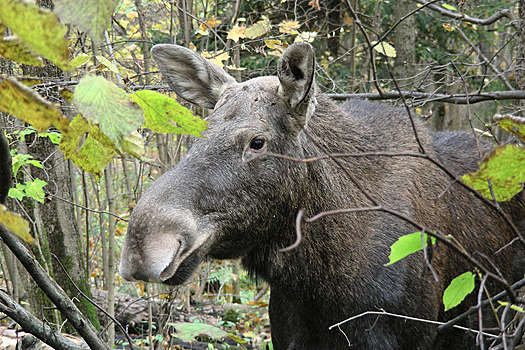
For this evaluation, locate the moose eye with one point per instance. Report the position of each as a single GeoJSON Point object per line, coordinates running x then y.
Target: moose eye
{"type": "Point", "coordinates": [257, 143]}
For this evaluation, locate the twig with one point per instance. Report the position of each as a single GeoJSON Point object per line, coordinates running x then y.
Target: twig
{"type": "Point", "coordinates": [299, 238]}
{"type": "Point", "coordinates": [113, 319]}
{"type": "Point", "coordinates": [406, 318]}
{"type": "Point", "coordinates": [474, 309]}
{"type": "Point", "coordinates": [484, 22]}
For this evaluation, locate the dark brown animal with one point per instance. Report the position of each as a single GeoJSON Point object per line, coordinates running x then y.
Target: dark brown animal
{"type": "Point", "coordinates": [226, 199]}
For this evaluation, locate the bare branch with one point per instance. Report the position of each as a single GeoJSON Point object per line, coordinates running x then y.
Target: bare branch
{"type": "Point", "coordinates": [461, 99]}
{"type": "Point", "coordinates": [506, 13]}
{"type": "Point", "coordinates": [31, 324]}
{"type": "Point", "coordinates": [405, 318]}
{"type": "Point", "coordinates": [53, 291]}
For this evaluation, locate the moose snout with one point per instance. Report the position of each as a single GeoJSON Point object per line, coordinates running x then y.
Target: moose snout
{"type": "Point", "coordinates": [157, 242]}
{"type": "Point", "coordinates": [153, 261]}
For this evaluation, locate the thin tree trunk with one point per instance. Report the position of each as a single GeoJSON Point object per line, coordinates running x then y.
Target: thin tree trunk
{"type": "Point", "coordinates": [110, 279]}
{"type": "Point", "coordinates": [405, 40]}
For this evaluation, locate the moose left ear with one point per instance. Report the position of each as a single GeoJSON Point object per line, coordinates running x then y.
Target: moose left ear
{"type": "Point", "coordinates": [296, 69]}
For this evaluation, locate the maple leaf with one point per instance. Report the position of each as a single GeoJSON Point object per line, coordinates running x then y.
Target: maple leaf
{"type": "Point", "coordinates": [216, 57]}
{"type": "Point", "coordinates": [212, 22]}
{"type": "Point", "coordinates": [315, 4]}
{"type": "Point", "coordinates": [288, 27]}
{"type": "Point", "coordinates": [237, 33]}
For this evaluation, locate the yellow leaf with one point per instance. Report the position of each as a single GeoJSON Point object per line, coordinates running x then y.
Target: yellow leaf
{"type": "Point", "coordinates": [306, 36]}
{"type": "Point", "coordinates": [347, 19]}
{"type": "Point", "coordinates": [315, 4]}
{"type": "Point", "coordinates": [216, 57]}
{"type": "Point", "coordinates": [258, 29]}
{"type": "Point", "coordinates": [15, 224]}
{"type": "Point", "coordinates": [39, 29]}
{"type": "Point", "coordinates": [203, 30]}
{"type": "Point", "coordinates": [385, 48]}
{"type": "Point", "coordinates": [230, 67]}
{"type": "Point", "coordinates": [237, 33]}
{"type": "Point", "coordinates": [212, 22]}
{"type": "Point", "coordinates": [288, 27]}
{"type": "Point", "coordinates": [26, 104]}
{"type": "Point", "coordinates": [448, 27]}
{"type": "Point", "coordinates": [275, 44]}
{"type": "Point", "coordinates": [107, 64]}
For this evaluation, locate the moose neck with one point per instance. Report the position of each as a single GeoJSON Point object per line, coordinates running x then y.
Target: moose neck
{"type": "Point", "coordinates": [321, 240]}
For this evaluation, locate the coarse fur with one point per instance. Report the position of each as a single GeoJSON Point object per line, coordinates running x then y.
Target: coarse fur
{"type": "Point", "coordinates": [228, 198]}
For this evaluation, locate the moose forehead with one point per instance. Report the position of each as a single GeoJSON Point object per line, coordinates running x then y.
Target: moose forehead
{"type": "Point", "coordinates": [245, 100]}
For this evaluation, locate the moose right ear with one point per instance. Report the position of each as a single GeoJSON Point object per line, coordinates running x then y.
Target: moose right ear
{"type": "Point", "coordinates": [190, 75]}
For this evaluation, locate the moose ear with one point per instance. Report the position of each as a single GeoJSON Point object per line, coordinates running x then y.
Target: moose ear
{"type": "Point", "coordinates": [190, 75]}
{"type": "Point", "coordinates": [296, 69]}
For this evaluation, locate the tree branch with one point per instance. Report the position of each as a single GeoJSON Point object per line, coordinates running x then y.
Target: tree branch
{"type": "Point", "coordinates": [506, 13]}
{"type": "Point", "coordinates": [31, 324]}
{"type": "Point", "coordinates": [461, 99]}
{"type": "Point", "coordinates": [55, 293]}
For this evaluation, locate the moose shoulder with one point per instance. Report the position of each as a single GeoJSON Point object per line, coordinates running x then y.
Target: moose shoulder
{"type": "Point", "coordinates": [228, 199]}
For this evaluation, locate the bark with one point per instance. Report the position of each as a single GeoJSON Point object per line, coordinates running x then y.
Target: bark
{"type": "Point", "coordinates": [110, 277]}
{"type": "Point", "coordinates": [59, 224]}
{"type": "Point", "coordinates": [520, 58]}
{"type": "Point", "coordinates": [404, 43]}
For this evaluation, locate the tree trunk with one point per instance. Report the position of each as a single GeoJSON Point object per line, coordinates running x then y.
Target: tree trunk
{"type": "Point", "coordinates": [405, 43]}
{"type": "Point", "coordinates": [59, 225]}
{"type": "Point", "coordinates": [520, 59]}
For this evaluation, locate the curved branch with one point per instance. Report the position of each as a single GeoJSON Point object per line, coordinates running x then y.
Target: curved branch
{"type": "Point", "coordinates": [506, 13]}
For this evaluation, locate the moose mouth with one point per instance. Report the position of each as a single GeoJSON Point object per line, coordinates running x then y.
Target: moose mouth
{"type": "Point", "coordinates": [175, 274]}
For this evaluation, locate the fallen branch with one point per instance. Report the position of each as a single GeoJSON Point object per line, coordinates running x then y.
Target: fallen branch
{"type": "Point", "coordinates": [31, 324]}
{"type": "Point", "coordinates": [54, 292]}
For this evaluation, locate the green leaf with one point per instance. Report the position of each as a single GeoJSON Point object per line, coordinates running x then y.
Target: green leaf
{"type": "Point", "coordinates": [79, 60]}
{"type": "Point", "coordinates": [162, 114]}
{"type": "Point", "coordinates": [385, 49]}
{"type": "Point", "coordinates": [505, 168]}
{"type": "Point", "coordinates": [24, 103]}
{"type": "Point", "coordinates": [31, 189]}
{"type": "Point", "coordinates": [449, 7]}
{"type": "Point", "coordinates": [17, 193]}
{"type": "Point", "coordinates": [513, 124]}
{"type": "Point", "coordinates": [258, 29]}
{"type": "Point", "coordinates": [106, 63]}
{"type": "Point", "coordinates": [34, 189]}
{"type": "Point", "coordinates": [407, 245]}
{"type": "Point", "coordinates": [15, 224]}
{"type": "Point", "coordinates": [188, 331]}
{"type": "Point", "coordinates": [54, 137]}
{"type": "Point", "coordinates": [236, 338]}
{"type": "Point", "coordinates": [18, 161]}
{"type": "Point", "coordinates": [513, 306]}
{"type": "Point", "coordinates": [108, 106]}
{"type": "Point", "coordinates": [90, 16]}
{"type": "Point", "coordinates": [90, 155]}
{"type": "Point", "coordinates": [38, 28]}
{"type": "Point", "coordinates": [134, 145]}
{"type": "Point", "coordinates": [458, 289]}
{"type": "Point", "coordinates": [14, 49]}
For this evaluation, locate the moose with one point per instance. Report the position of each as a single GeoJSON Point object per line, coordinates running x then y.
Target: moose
{"type": "Point", "coordinates": [232, 197]}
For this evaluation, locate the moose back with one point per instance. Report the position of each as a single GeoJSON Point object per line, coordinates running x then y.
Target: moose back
{"type": "Point", "coordinates": [229, 197]}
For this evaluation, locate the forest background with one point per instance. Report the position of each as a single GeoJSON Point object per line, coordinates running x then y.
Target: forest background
{"type": "Point", "coordinates": [97, 125]}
